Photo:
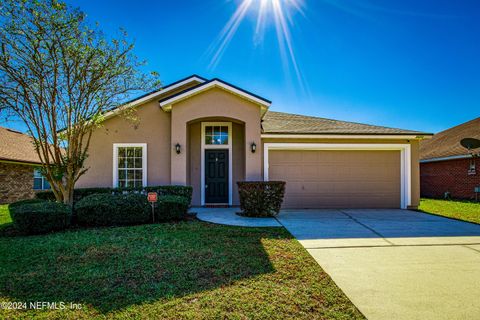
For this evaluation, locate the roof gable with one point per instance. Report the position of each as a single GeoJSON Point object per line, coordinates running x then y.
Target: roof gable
{"type": "Point", "coordinates": [168, 102]}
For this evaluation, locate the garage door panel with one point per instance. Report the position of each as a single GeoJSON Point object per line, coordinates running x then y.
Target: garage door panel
{"type": "Point", "coordinates": [338, 179]}
{"type": "Point", "coordinates": [310, 170]}
{"type": "Point", "coordinates": [288, 171]}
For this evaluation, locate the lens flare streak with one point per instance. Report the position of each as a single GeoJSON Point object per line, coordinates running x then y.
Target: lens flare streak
{"type": "Point", "coordinates": [285, 38]}
{"type": "Point", "coordinates": [279, 11]}
{"type": "Point", "coordinates": [229, 31]}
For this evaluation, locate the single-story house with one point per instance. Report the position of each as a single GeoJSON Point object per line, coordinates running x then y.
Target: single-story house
{"type": "Point", "coordinates": [447, 167]}
{"type": "Point", "coordinates": [20, 174]}
{"type": "Point", "coordinates": [210, 134]}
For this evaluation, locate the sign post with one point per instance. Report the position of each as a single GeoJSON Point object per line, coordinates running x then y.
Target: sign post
{"type": "Point", "coordinates": [152, 198]}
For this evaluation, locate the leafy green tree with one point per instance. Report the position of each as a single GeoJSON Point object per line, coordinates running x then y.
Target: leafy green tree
{"type": "Point", "coordinates": [60, 75]}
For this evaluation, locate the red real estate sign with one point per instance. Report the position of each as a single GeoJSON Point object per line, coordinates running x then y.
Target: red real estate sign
{"type": "Point", "coordinates": [152, 197]}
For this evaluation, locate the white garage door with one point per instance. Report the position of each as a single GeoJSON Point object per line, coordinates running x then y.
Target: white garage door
{"type": "Point", "coordinates": [337, 179]}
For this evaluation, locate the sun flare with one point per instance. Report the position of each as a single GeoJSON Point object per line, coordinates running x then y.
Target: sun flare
{"type": "Point", "coordinates": [278, 12]}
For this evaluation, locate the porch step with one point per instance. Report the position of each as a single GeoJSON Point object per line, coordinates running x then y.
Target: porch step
{"type": "Point", "coordinates": [217, 206]}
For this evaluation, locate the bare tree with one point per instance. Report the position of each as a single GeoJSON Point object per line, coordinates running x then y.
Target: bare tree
{"type": "Point", "coordinates": [59, 75]}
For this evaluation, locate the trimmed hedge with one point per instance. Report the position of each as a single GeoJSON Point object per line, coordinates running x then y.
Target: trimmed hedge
{"type": "Point", "coordinates": [171, 208]}
{"type": "Point", "coordinates": [38, 216]}
{"type": "Point", "coordinates": [261, 198]}
{"type": "Point", "coordinates": [22, 202]}
{"type": "Point", "coordinates": [104, 209]}
{"type": "Point", "coordinates": [80, 193]}
{"type": "Point", "coordinates": [183, 191]}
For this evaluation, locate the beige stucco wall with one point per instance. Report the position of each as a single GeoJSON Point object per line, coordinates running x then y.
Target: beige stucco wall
{"type": "Point", "coordinates": [415, 157]}
{"type": "Point", "coordinates": [194, 161]}
{"type": "Point", "coordinates": [153, 129]}
{"type": "Point", "coordinates": [415, 149]}
{"type": "Point", "coordinates": [238, 161]}
{"type": "Point", "coordinates": [215, 103]}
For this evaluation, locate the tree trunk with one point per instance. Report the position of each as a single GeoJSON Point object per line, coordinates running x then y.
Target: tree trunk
{"type": "Point", "coordinates": [68, 194]}
{"type": "Point", "coordinates": [57, 192]}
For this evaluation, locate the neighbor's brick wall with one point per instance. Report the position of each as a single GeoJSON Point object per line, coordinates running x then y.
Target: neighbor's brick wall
{"type": "Point", "coordinates": [16, 182]}
{"type": "Point", "coordinates": [436, 178]}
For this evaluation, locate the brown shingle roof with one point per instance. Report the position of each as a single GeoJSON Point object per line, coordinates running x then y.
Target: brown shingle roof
{"type": "Point", "coordinates": [447, 143]}
{"type": "Point", "coordinates": [16, 146]}
{"type": "Point", "coordinates": [286, 123]}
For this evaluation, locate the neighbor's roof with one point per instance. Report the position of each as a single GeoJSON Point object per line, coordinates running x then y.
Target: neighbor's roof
{"type": "Point", "coordinates": [286, 123]}
{"type": "Point", "coordinates": [447, 143]}
{"type": "Point", "coordinates": [16, 146]}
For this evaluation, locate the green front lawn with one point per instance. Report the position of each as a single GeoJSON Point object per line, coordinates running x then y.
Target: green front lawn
{"type": "Point", "coordinates": [463, 210]}
{"type": "Point", "coordinates": [177, 270]}
{"type": "Point", "coordinates": [5, 220]}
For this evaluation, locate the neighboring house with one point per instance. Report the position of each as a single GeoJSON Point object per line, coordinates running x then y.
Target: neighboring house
{"type": "Point", "coordinates": [446, 166]}
{"type": "Point", "coordinates": [210, 134]}
{"type": "Point", "coordinates": [20, 175]}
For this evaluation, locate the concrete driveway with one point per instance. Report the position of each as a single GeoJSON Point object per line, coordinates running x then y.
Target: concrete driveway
{"type": "Point", "coordinates": [395, 264]}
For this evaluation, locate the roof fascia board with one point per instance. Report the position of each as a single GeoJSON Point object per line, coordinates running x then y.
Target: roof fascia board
{"type": "Point", "coordinates": [339, 136]}
{"type": "Point", "coordinates": [464, 156]}
{"type": "Point", "coordinates": [20, 162]}
{"type": "Point", "coordinates": [167, 104]}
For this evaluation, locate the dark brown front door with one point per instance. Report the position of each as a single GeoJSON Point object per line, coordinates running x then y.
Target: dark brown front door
{"type": "Point", "coordinates": [216, 176]}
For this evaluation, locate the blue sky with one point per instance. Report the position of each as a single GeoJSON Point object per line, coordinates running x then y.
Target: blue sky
{"type": "Point", "coordinates": [413, 64]}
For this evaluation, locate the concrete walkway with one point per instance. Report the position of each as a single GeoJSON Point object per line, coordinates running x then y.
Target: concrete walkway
{"type": "Point", "coordinates": [228, 216]}
{"type": "Point", "coordinates": [395, 264]}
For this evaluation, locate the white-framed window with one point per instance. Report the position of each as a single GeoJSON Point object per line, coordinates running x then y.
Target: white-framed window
{"type": "Point", "coordinates": [129, 165]}
{"type": "Point", "coordinates": [216, 134]}
{"type": "Point", "coordinates": [39, 181]}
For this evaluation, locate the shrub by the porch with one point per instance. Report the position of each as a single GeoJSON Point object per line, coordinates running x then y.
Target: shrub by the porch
{"type": "Point", "coordinates": [171, 208]}
{"type": "Point", "coordinates": [261, 198]}
{"type": "Point", "coordinates": [38, 216]}
{"type": "Point", "coordinates": [183, 191]}
{"type": "Point", "coordinates": [80, 193]}
{"type": "Point", "coordinates": [113, 210]}
{"type": "Point", "coordinates": [23, 202]}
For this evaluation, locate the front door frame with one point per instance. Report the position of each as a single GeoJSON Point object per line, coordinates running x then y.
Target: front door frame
{"type": "Point", "coordinates": [216, 146]}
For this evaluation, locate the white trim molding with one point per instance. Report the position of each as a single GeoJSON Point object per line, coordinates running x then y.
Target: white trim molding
{"type": "Point", "coordinates": [405, 160]}
{"type": "Point", "coordinates": [344, 136]}
{"type": "Point", "coordinates": [221, 147]}
{"type": "Point", "coordinates": [465, 156]}
{"type": "Point", "coordinates": [167, 104]}
{"type": "Point", "coordinates": [115, 161]}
